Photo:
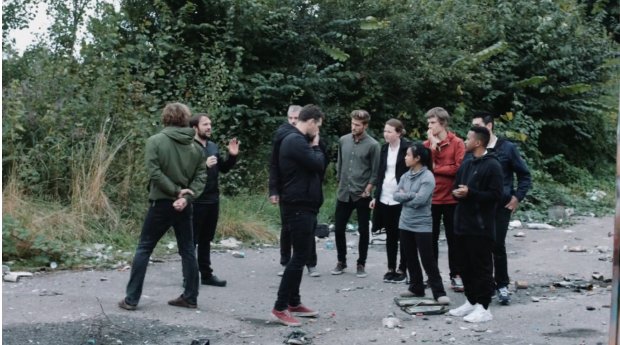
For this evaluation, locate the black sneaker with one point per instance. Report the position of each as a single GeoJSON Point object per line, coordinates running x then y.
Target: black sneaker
{"type": "Point", "coordinates": [387, 278]}
{"type": "Point", "coordinates": [213, 280]}
{"type": "Point", "coordinates": [399, 277]}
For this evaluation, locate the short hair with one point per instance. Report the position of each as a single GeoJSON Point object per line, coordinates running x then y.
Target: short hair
{"type": "Point", "coordinates": [293, 109]}
{"type": "Point", "coordinates": [195, 120]}
{"type": "Point", "coordinates": [419, 150]}
{"type": "Point", "coordinates": [485, 116]}
{"type": "Point", "coordinates": [310, 112]}
{"type": "Point", "coordinates": [482, 134]}
{"type": "Point", "coordinates": [440, 114]}
{"type": "Point", "coordinates": [360, 115]}
{"type": "Point", "coordinates": [176, 114]}
{"type": "Point", "coordinates": [398, 126]}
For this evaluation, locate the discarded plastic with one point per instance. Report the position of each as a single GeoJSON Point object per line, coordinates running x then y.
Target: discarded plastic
{"type": "Point", "coordinates": [297, 337]}
{"type": "Point", "coordinates": [237, 254]}
{"type": "Point", "coordinates": [391, 322]}
{"type": "Point", "coordinates": [230, 243]}
{"type": "Point", "coordinates": [53, 265]}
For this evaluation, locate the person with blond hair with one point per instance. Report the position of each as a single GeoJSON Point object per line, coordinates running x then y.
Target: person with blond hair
{"type": "Point", "coordinates": [176, 170]}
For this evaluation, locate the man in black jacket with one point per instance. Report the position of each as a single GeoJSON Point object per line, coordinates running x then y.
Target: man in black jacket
{"type": "Point", "coordinates": [512, 164]}
{"type": "Point", "coordinates": [300, 166]}
{"type": "Point", "coordinates": [478, 189]}
{"type": "Point", "coordinates": [207, 205]}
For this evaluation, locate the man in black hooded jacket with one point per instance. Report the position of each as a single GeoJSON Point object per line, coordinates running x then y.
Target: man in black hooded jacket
{"type": "Point", "coordinates": [478, 189]}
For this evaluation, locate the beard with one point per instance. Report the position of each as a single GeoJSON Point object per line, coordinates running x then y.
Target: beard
{"type": "Point", "coordinates": [310, 137]}
{"type": "Point", "coordinates": [204, 136]}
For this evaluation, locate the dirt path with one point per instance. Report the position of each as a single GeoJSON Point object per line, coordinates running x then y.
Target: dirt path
{"type": "Point", "coordinates": [80, 307]}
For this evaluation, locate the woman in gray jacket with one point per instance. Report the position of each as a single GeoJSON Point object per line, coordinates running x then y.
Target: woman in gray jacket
{"type": "Point", "coordinates": [415, 191]}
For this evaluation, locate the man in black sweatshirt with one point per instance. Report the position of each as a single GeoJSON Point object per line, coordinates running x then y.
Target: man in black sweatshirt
{"type": "Point", "coordinates": [300, 166]}
{"type": "Point", "coordinates": [478, 189]}
{"type": "Point", "coordinates": [207, 205]}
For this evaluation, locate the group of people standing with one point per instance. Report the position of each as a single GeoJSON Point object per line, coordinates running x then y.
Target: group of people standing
{"type": "Point", "coordinates": [468, 186]}
{"type": "Point", "coordinates": [411, 189]}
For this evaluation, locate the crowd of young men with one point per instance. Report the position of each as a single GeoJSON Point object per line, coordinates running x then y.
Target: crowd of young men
{"type": "Point", "coordinates": [474, 198]}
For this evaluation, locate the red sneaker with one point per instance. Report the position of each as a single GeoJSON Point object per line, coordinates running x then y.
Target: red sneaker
{"type": "Point", "coordinates": [303, 311]}
{"type": "Point", "coordinates": [284, 317]}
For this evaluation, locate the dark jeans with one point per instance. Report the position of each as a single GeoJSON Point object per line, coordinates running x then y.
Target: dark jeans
{"type": "Point", "coordinates": [343, 213]}
{"type": "Point", "coordinates": [387, 216]}
{"type": "Point", "coordinates": [475, 255]}
{"type": "Point", "coordinates": [445, 212]}
{"type": "Point", "coordinates": [285, 247]}
{"type": "Point", "coordinates": [205, 223]}
{"type": "Point", "coordinates": [300, 224]}
{"type": "Point", "coordinates": [160, 217]}
{"type": "Point", "coordinates": [421, 242]}
{"type": "Point", "coordinates": [500, 260]}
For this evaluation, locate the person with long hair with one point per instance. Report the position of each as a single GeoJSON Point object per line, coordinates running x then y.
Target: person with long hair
{"type": "Point", "coordinates": [386, 210]}
{"type": "Point", "coordinates": [415, 192]}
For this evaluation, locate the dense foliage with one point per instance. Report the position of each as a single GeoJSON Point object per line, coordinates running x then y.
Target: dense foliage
{"type": "Point", "coordinates": [548, 67]}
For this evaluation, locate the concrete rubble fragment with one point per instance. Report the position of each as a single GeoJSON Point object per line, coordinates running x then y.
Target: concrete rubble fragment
{"type": "Point", "coordinates": [539, 226]}
{"type": "Point", "coordinates": [14, 276]}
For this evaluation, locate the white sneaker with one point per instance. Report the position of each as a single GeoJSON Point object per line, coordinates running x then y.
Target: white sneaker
{"type": "Point", "coordinates": [479, 314]}
{"type": "Point", "coordinates": [463, 310]}
{"type": "Point", "coordinates": [313, 272]}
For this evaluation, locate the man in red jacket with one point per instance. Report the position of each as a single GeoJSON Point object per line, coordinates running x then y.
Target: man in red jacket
{"type": "Point", "coordinates": [448, 151]}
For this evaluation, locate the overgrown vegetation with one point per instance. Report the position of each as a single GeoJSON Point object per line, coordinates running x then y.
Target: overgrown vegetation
{"type": "Point", "coordinates": [76, 111]}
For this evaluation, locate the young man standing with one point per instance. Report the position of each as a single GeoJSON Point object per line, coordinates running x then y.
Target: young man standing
{"type": "Point", "coordinates": [176, 170]}
{"type": "Point", "coordinates": [275, 184]}
{"type": "Point", "coordinates": [478, 189]}
{"type": "Point", "coordinates": [448, 151]}
{"type": "Point", "coordinates": [357, 170]}
{"type": "Point", "coordinates": [512, 164]}
{"type": "Point", "coordinates": [300, 165]}
{"type": "Point", "coordinates": [207, 205]}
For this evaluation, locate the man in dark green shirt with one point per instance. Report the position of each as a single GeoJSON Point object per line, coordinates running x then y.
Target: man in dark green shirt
{"type": "Point", "coordinates": [357, 169]}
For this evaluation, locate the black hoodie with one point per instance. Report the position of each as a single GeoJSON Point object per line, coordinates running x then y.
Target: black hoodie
{"type": "Point", "coordinates": [299, 168]}
{"type": "Point", "coordinates": [475, 214]}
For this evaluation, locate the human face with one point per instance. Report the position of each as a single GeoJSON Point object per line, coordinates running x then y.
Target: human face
{"type": "Point", "coordinates": [435, 126]}
{"type": "Point", "coordinates": [410, 160]}
{"type": "Point", "coordinates": [293, 117]}
{"type": "Point", "coordinates": [313, 128]}
{"type": "Point", "coordinates": [358, 127]}
{"type": "Point", "coordinates": [203, 131]}
{"type": "Point", "coordinates": [471, 142]}
{"type": "Point", "coordinates": [390, 134]}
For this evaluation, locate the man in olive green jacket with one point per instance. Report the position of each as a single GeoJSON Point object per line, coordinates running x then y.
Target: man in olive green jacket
{"type": "Point", "coordinates": [177, 172]}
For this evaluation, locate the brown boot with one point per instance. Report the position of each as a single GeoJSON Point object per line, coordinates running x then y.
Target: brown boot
{"type": "Point", "coordinates": [180, 302]}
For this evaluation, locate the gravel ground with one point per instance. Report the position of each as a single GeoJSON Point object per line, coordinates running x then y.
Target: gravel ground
{"type": "Point", "coordinates": [79, 307]}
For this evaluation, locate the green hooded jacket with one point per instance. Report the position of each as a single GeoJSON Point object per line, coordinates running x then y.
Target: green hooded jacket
{"type": "Point", "coordinates": [174, 161]}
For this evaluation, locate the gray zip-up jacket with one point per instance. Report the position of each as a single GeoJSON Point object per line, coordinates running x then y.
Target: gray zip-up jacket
{"type": "Point", "coordinates": [415, 193]}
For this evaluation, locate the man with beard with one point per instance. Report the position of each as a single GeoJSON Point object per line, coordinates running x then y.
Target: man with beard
{"type": "Point", "coordinates": [207, 205]}
{"type": "Point", "coordinates": [300, 166]}
{"type": "Point", "coordinates": [357, 170]}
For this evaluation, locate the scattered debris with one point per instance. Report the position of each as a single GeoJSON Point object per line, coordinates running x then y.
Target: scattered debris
{"type": "Point", "coordinates": [602, 249]}
{"type": "Point", "coordinates": [329, 244]}
{"type": "Point", "coordinates": [590, 308]}
{"type": "Point", "coordinates": [297, 337]}
{"type": "Point", "coordinates": [391, 322]}
{"type": "Point", "coordinates": [539, 226]}
{"type": "Point", "coordinates": [230, 243]}
{"type": "Point", "coordinates": [45, 292]}
{"type": "Point", "coordinates": [200, 342]}
{"type": "Point", "coordinates": [5, 269]}
{"type": "Point", "coordinates": [535, 299]}
{"type": "Point", "coordinates": [521, 284]}
{"type": "Point", "coordinates": [53, 265]}
{"type": "Point", "coordinates": [103, 279]}
{"type": "Point", "coordinates": [597, 276]}
{"type": "Point", "coordinates": [515, 224]}
{"type": "Point", "coordinates": [577, 284]}
{"type": "Point", "coordinates": [596, 195]}
{"type": "Point", "coordinates": [171, 245]}
{"type": "Point", "coordinates": [519, 234]}
{"type": "Point", "coordinates": [14, 276]}
{"type": "Point", "coordinates": [577, 249]}
{"type": "Point", "coordinates": [238, 254]}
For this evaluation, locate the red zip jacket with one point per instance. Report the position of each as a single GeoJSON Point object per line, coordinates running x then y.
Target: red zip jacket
{"type": "Point", "coordinates": [447, 159]}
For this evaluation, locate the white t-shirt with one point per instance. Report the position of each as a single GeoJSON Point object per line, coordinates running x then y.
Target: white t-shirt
{"type": "Point", "coordinates": [390, 185]}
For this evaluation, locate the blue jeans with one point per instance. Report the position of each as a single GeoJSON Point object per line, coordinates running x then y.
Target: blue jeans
{"type": "Point", "coordinates": [160, 217]}
{"type": "Point", "coordinates": [300, 224]}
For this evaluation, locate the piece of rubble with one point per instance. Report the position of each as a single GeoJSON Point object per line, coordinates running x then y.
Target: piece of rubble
{"type": "Point", "coordinates": [577, 249]}
{"type": "Point", "coordinates": [539, 226]}
{"type": "Point", "coordinates": [515, 224]}
{"type": "Point", "coordinates": [230, 243]}
{"type": "Point", "coordinates": [391, 322]}
{"type": "Point", "coordinates": [602, 249]}
{"type": "Point", "coordinates": [535, 299]}
{"type": "Point", "coordinates": [597, 276]}
{"type": "Point", "coordinates": [238, 254]}
{"type": "Point", "coordinates": [590, 308]}
{"type": "Point", "coordinates": [519, 234]}
{"type": "Point", "coordinates": [521, 284]}
{"type": "Point", "coordinates": [14, 276]}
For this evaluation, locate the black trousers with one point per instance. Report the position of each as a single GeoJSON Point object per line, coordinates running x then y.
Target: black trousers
{"type": "Point", "coordinates": [205, 222]}
{"type": "Point", "coordinates": [445, 212]}
{"type": "Point", "coordinates": [285, 246]}
{"type": "Point", "coordinates": [343, 213]}
{"type": "Point", "coordinates": [387, 216]}
{"type": "Point", "coordinates": [414, 243]}
{"type": "Point", "coordinates": [500, 260]}
{"type": "Point", "coordinates": [476, 258]}
{"type": "Point", "coordinates": [300, 224]}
